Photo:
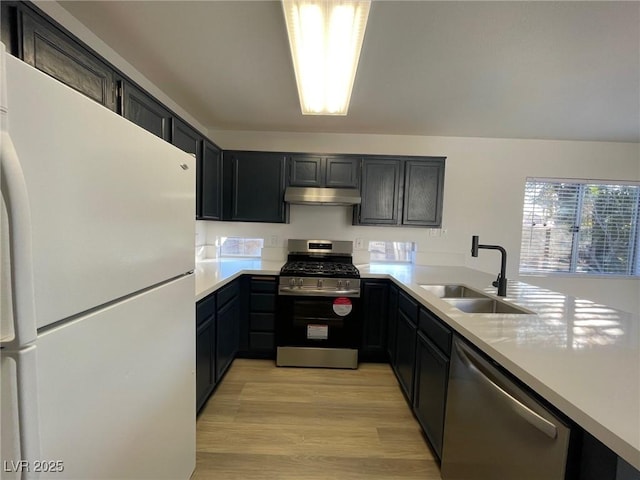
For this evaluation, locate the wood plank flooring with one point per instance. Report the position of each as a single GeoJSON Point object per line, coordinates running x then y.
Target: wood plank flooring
{"type": "Point", "coordinates": [265, 422]}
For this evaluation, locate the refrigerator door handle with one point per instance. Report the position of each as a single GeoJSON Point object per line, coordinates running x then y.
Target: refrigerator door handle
{"type": "Point", "coordinates": [27, 414]}
{"type": "Point", "coordinates": [541, 423]}
{"type": "Point", "coordinates": [14, 193]}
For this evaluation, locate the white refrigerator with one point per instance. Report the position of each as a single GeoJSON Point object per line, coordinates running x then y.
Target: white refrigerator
{"type": "Point", "coordinates": [97, 290]}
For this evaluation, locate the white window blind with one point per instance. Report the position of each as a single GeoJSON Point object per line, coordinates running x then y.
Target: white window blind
{"type": "Point", "coordinates": [584, 227]}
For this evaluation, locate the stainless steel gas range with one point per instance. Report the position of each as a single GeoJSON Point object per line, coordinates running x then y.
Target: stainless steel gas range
{"type": "Point", "coordinates": [318, 323]}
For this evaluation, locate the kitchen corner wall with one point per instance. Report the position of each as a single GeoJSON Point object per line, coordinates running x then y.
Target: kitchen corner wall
{"type": "Point", "coordinates": [483, 195]}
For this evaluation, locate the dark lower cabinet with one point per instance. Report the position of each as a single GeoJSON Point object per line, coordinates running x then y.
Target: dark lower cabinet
{"type": "Point", "coordinates": [262, 316]}
{"type": "Point", "coordinates": [227, 328]}
{"type": "Point", "coordinates": [205, 361]}
{"type": "Point", "coordinates": [254, 185]}
{"type": "Point", "coordinates": [143, 110]}
{"type": "Point", "coordinates": [430, 394]}
{"type": "Point", "coordinates": [205, 349]}
{"type": "Point", "coordinates": [56, 53]}
{"type": "Point", "coordinates": [375, 299]}
{"type": "Point", "coordinates": [217, 334]}
{"type": "Point", "coordinates": [406, 334]}
{"type": "Point", "coordinates": [392, 322]}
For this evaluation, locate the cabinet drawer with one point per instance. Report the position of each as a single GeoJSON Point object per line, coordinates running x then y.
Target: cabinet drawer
{"type": "Point", "coordinates": [264, 284]}
{"type": "Point", "coordinates": [438, 333]}
{"type": "Point", "coordinates": [261, 341]}
{"type": "Point", "coordinates": [263, 302]}
{"type": "Point", "coordinates": [408, 306]}
{"type": "Point", "coordinates": [227, 293]}
{"type": "Point", "coordinates": [262, 321]}
{"type": "Point", "coordinates": [205, 308]}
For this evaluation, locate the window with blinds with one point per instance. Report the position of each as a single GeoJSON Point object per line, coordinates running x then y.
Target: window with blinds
{"type": "Point", "coordinates": [583, 227]}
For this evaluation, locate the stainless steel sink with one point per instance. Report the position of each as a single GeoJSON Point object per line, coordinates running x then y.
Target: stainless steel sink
{"type": "Point", "coordinates": [453, 291]}
{"type": "Point", "coordinates": [485, 305]}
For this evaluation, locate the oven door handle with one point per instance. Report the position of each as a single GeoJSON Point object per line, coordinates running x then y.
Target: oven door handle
{"type": "Point", "coordinates": [318, 292]}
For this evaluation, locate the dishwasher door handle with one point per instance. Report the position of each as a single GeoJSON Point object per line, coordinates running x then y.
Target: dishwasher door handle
{"type": "Point", "coordinates": [541, 423]}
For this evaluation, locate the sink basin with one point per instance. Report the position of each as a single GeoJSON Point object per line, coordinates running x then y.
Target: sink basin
{"type": "Point", "coordinates": [485, 305]}
{"type": "Point", "coordinates": [453, 291]}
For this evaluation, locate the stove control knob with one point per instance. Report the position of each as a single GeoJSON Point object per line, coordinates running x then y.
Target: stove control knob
{"type": "Point", "coordinates": [346, 285]}
{"type": "Point", "coordinates": [339, 285]}
{"type": "Point", "coordinates": [292, 282]}
{"type": "Point", "coordinates": [319, 283]}
{"type": "Point", "coordinates": [300, 282]}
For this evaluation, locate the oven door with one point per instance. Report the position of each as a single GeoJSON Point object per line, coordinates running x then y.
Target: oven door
{"type": "Point", "coordinates": [330, 321]}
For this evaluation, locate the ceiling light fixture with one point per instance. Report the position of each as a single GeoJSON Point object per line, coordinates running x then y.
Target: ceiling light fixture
{"type": "Point", "coordinates": [325, 38]}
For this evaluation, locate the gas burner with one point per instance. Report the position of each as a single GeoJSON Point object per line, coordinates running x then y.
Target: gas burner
{"type": "Point", "coordinates": [320, 269]}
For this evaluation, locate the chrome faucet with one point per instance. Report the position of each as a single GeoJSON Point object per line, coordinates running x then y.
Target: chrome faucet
{"type": "Point", "coordinates": [501, 281]}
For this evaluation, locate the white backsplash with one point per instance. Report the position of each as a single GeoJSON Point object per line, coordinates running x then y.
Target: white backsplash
{"type": "Point", "coordinates": [331, 223]}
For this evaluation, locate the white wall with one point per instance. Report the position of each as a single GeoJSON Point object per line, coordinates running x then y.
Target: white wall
{"type": "Point", "coordinates": [484, 188]}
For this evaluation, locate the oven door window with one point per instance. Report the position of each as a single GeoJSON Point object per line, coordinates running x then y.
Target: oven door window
{"type": "Point", "coordinates": [320, 321]}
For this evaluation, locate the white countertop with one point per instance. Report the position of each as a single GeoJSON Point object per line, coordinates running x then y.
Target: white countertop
{"type": "Point", "coordinates": [582, 357]}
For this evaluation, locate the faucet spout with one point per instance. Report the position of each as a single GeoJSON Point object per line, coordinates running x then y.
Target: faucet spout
{"type": "Point", "coordinates": [501, 281]}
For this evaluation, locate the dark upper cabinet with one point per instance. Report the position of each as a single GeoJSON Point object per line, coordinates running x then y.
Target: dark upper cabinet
{"type": "Point", "coordinates": [306, 171]}
{"type": "Point", "coordinates": [209, 186]}
{"type": "Point", "coordinates": [254, 184]}
{"type": "Point", "coordinates": [56, 53]}
{"type": "Point", "coordinates": [323, 171]}
{"type": "Point", "coordinates": [342, 172]}
{"type": "Point", "coordinates": [423, 192]}
{"type": "Point", "coordinates": [375, 299]}
{"type": "Point", "coordinates": [143, 110]}
{"type": "Point", "coordinates": [401, 191]}
{"type": "Point", "coordinates": [188, 140]}
{"type": "Point", "coordinates": [380, 192]}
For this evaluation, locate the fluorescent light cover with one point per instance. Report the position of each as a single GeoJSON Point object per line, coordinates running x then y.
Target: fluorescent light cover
{"type": "Point", "coordinates": [325, 38]}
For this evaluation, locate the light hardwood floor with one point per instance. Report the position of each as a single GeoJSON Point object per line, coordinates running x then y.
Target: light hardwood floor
{"type": "Point", "coordinates": [265, 422]}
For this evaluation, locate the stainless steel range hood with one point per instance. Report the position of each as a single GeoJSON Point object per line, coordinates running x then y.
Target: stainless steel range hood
{"type": "Point", "coordinates": [322, 196]}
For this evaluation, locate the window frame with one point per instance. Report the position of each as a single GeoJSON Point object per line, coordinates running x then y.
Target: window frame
{"type": "Point", "coordinates": [579, 227]}
{"type": "Point", "coordinates": [411, 246]}
{"type": "Point", "coordinates": [223, 239]}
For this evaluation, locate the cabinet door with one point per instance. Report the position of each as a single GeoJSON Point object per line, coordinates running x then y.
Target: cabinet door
{"type": "Point", "coordinates": [423, 192]}
{"type": "Point", "coordinates": [210, 182]}
{"type": "Point", "coordinates": [375, 305]}
{"type": "Point", "coordinates": [185, 138]}
{"type": "Point", "coordinates": [144, 111]}
{"type": "Point", "coordinates": [306, 171]}
{"type": "Point", "coordinates": [227, 336]}
{"type": "Point", "coordinates": [380, 192]}
{"type": "Point", "coordinates": [392, 324]}
{"type": "Point", "coordinates": [342, 172]}
{"type": "Point", "coordinates": [405, 353]}
{"type": "Point", "coordinates": [257, 182]}
{"type": "Point", "coordinates": [432, 370]}
{"type": "Point", "coordinates": [205, 361]}
{"type": "Point", "coordinates": [50, 50]}
{"type": "Point", "coordinates": [188, 140]}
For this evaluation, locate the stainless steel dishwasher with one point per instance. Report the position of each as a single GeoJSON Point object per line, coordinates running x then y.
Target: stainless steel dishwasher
{"type": "Point", "coordinates": [494, 430]}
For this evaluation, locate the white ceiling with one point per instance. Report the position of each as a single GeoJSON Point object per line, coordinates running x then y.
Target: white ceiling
{"type": "Point", "coordinates": [554, 70]}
